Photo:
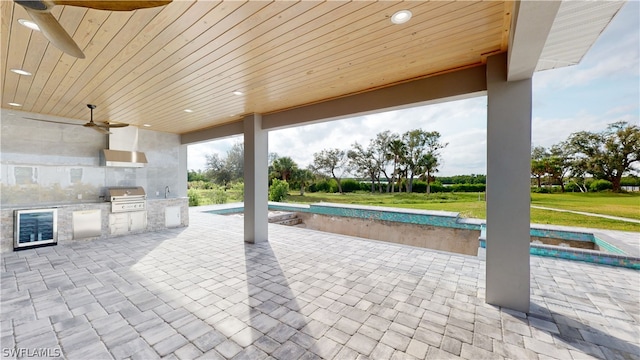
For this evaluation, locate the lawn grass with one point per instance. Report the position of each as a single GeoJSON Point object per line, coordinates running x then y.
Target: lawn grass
{"type": "Point", "coordinates": [472, 205]}
{"type": "Point", "coordinates": [626, 205]}
{"type": "Point", "coordinates": [539, 216]}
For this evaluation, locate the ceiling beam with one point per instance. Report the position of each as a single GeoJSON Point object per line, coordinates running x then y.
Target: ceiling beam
{"type": "Point", "coordinates": [454, 85]}
{"type": "Point", "coordinates": [531, 25]}
{"type": "Point", "coordinates": [213, 133]}
{"type": "Point", "coordinates": [464, 83]}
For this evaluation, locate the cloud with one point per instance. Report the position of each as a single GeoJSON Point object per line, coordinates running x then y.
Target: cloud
{"type": "Point", "coordinates": [196, 154]}
{"type": "Point", "coordinates": [620, 64]}
{"type": "Point", "coordinates": [623, 109]}
{"type": "Point", "coordinates": [461, 123]}
{"type": "Point", "coordinates": [550, 131]}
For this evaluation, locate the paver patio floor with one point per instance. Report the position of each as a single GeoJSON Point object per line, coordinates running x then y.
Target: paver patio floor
{"type": "Point", "coordinates": [201, 292]}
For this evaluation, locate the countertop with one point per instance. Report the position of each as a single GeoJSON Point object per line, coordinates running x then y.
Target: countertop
{"type": "Point", "coordinates": [87, 203]}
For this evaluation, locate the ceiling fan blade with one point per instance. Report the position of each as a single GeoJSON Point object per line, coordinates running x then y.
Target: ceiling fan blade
{"type": "Point", "coordinates": [97, 128]}
{"type": "Point", "coordinates": [101, 130]}
{"type": "Point", "coordinates": [115, 125]}
{"type": "Point", "coordinates": [52, 121]}
{"type": "Point", "coordinates": [114, 5]}
{"type": "Point", "coordinates": [53, 31]}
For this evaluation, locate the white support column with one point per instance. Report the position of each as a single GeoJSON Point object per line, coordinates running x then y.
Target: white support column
{"type": "Point", "coordinates": [508, 187]}
{"type": "Point", "coordinates": [256, 167]}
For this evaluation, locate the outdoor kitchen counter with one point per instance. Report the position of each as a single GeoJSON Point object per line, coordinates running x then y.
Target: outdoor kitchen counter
{"type": "Point", "coordinates": [50, 205]}
{"type": "Point", "coordinates": [156, 217]}
{"type": "Point", "coordinates": [156, 212]}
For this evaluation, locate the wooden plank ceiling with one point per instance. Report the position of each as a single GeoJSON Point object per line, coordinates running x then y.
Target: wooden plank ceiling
{"type": "Point", "coordinates": [148, 66]}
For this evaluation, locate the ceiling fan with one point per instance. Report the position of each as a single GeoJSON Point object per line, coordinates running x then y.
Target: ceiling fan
{"type": "Point", "coordinates": [40, 12]}
{"type": "Point", "coordinates": [102, 128]}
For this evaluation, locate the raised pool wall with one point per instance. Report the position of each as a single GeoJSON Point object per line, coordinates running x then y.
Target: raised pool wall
{"type": "Point", "coordinates": [462, 241]}
{"type": "Point", "coordinates": [442, 230]}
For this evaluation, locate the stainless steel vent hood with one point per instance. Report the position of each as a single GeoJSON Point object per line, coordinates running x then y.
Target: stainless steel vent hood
{"type": "Point", "coordinates": [123, 149]}
{"type": "Point", "coordinates": [120, 158]}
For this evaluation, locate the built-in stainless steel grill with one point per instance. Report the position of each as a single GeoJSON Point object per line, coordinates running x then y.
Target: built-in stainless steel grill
{"type": "Point", "coordinates": [125, 199]}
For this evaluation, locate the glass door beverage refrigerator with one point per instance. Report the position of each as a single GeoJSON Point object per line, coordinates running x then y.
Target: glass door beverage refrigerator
{"type": "Point", "coordinates": [34, 228]}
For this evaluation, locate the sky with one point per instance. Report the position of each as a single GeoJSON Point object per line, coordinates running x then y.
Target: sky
{"type": "Point", "coordinates": [603, 88]}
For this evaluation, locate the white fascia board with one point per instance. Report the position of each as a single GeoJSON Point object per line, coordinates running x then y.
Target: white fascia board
{"type": "Point", "coordinates": [531, 25]}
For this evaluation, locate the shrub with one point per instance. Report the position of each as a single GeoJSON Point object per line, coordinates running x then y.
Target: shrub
{"type": "Point", "coordinates": [321, 186]}
{"type": "Point", "coordinates": [436, 187]}
{"type": "Point", "coordinates": [588, 181]}
{"type": "Point", "coordinates": [600, 185]}
{"type": "Point", "coordinates": [194, 198]}
{"type": "Point", "coordinates": [468, 188]}
{"type": "Point", "coordinates": [350, 185]}
{"type": "Point", "coordinates": [542, 190]}
{"type": "Point", "coordinates": [419, 186]}
{"type": "Point", "coordinates": [237, 191]}
{"type": "Point", "coordinates": [204, 185]}
{"type": "Point", "coordinates": [218, 196]}
{"type": "Point", "coordinates": [333, 185]}
{"type": "Point", "coordinates": [366, 186]}
{"type": "Point", "coordinates": [278, 190]}
{"type": "Point", "coordinates": [630, 181]}
{"type": "Point", "coordinates": [573, 187]}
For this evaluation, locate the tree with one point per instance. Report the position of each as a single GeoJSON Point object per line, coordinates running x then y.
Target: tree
{"type": "Point", "coordinates": [430, 161]}
{"type": "Point", "coordinates": [414, 141]}
{"type": "Point", "coordinates": [302, 177]}
{"type": "Point", "coordinates": [463, 179]}
{"type": "Point", "coordinates": [363, 163]}
{"type": "Point", "coordinates": [330, 163]}
{"type": "Point", "coordinates": [380, 152]}
{"type": "Point", "coordinates": [559, 163]}
{"type": "Point", "coordinates": [538, 166]}
{"type": "Point", "coordinates": [235, 161]}
{"type": "Point", "coordinates": [283, 167]}
{"type": "Point", "coordinates": [397, 151]}
{"type": "Point", "coordinates": [196, 175]}
{"type": "Point", "coordinates": [418, 144]}
{"type": "Point", "coordinates": [216, 166]}
{"type": "Point", "coordinates": [609, 154]}
{"type": "Point", "coordinates": [225, 170]}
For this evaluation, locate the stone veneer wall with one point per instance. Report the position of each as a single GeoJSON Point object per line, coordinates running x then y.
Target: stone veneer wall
{"type": "Point", "coordinates": [156, 212]}
{"type": "Point", "coordinates": [155, 219]}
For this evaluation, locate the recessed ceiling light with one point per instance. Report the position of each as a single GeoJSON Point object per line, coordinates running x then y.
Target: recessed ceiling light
{"type": "Point", "coordinates": [238, 92]}
{"type": "Point", "coordinates": [401, 17]}
{"type": "Point", "coordinates": [188, 110]}
{"type": "Point", "coordinates": [21, 72]}
{"type": "Point", "coordinates": [15, 104]}
{"type": "Point", "coordinates": [30, 24]}
{"type": "Point", "coordinates": [146, 125]}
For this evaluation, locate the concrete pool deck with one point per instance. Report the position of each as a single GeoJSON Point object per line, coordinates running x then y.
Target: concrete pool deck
{"type": "Point", "coordinates": [201, 292]}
